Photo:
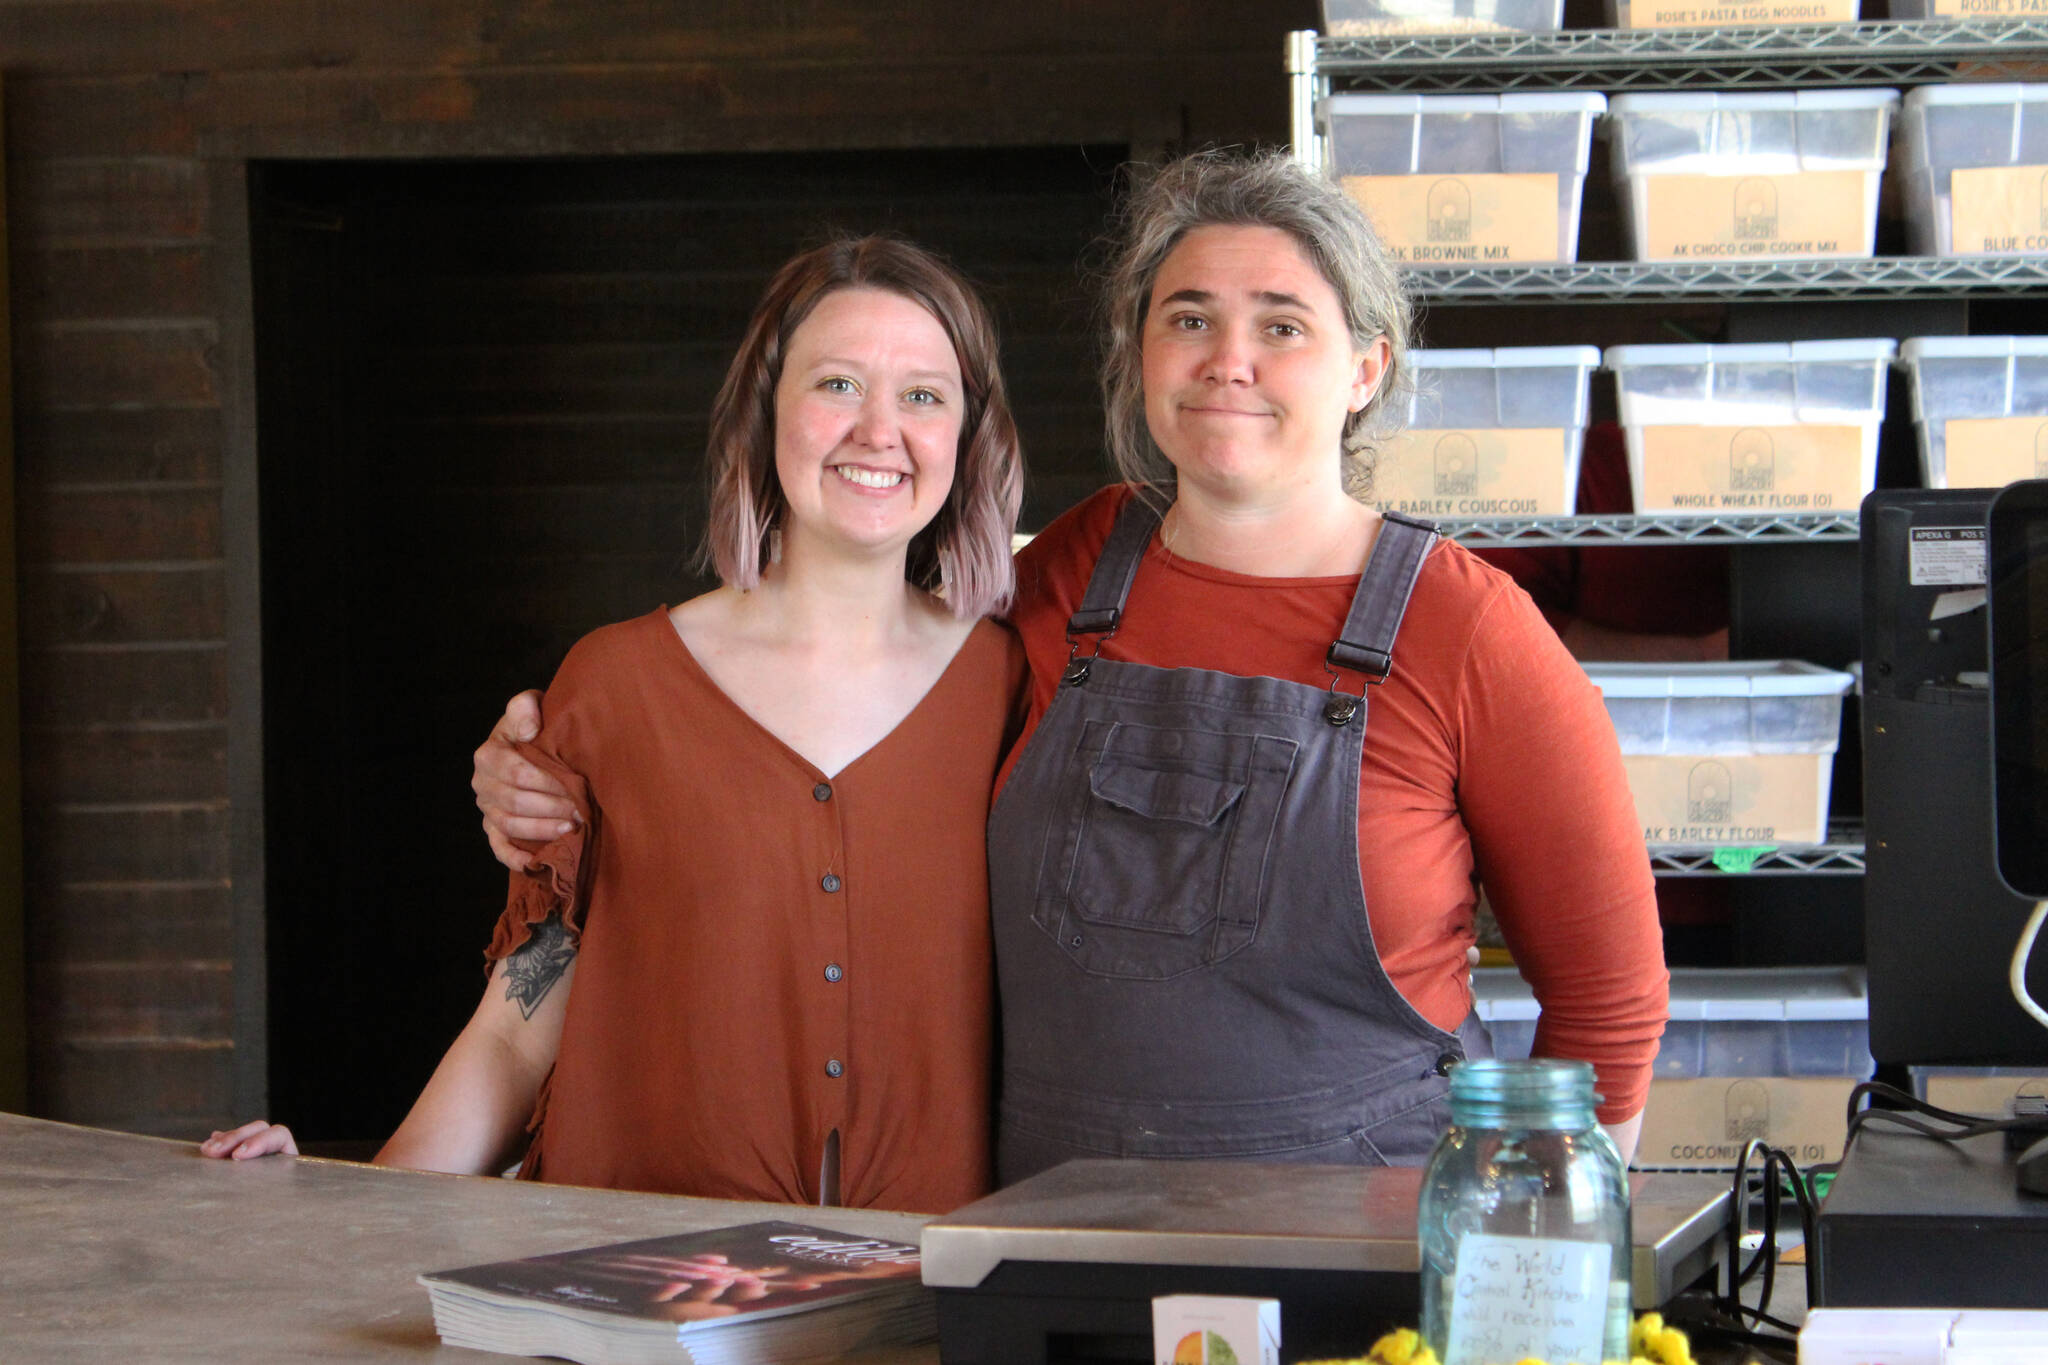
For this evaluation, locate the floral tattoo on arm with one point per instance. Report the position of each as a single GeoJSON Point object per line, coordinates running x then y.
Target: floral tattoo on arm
{"type": "Point", "coordinates": [532, 971]}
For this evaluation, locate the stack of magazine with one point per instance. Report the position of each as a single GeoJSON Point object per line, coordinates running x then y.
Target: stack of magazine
{"type": "Point", "coordinates": [763, 1292]}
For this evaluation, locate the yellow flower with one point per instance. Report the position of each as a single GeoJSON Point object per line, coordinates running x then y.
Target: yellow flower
{"type": "Point", "coordinates": [1404, 1347]}
{"type": "Point", "coordinates": [1650, 1342]}
{"type": "Point", "coordinates": [1650, 1339]}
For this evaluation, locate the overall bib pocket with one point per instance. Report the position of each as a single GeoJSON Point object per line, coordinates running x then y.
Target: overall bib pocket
{"type": "Point", "coordinates": [1156, 861]}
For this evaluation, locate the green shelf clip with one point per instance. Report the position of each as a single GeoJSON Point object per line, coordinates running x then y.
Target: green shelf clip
{"type": "Point", "coordinates": [1741, 859]}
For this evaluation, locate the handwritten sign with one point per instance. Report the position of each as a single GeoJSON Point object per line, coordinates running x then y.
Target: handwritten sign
{"type": "Point", "coordinates": [1517, 1297]}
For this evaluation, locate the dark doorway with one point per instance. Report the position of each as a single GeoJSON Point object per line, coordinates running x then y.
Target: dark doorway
{"type": "Point", "coordinates": [482, 393]}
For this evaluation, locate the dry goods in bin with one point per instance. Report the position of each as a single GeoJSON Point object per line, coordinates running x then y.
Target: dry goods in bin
{"type": "Point", "coordinates": [1467, 180]}
{"type": "Point", "coordinates": [1975, 162]}
{"type": "Point", "coordinates": [1750, 176]}
{"type": "Point", "coordinates": [1720, 755]}
{"type": "Point", "coordinates": [1980, 408]}
{"type": "Point", "coordinates": [1377, 18]}
{"type": "Point", "coordinates": [1761, 428]}
{"type": "Point", "coordinates": [1728, 13]}
{"type": "Point", "coordinates": [1489, 433]}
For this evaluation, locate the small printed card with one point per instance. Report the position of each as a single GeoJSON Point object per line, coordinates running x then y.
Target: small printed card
{"type": "Point", "coordinates": [1215, 1329]}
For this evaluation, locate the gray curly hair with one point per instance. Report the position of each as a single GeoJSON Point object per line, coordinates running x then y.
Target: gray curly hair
{"type": "Point", "coordinates": [1229, 188]}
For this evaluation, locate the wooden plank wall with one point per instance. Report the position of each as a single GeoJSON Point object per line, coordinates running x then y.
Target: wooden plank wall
{"type": "Point", "coordinates": [125, 120]}
{"type": "Point", "coordinates": [13, 967]}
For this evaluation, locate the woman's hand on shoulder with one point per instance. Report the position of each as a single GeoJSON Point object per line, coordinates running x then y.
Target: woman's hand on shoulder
{"type": "Point", "coordinates": [519, 801]}
{"type": "Point", "coordinates": [256, 1138]}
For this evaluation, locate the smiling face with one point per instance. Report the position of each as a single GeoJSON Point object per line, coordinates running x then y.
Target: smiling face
{"type": "Point", "coordinates": [1249, 367]}
{"type": "Point", "coordinates": [867, 422]}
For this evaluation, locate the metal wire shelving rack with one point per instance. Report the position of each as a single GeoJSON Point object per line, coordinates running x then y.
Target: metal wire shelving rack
{"type": "Point", "coordinates": [1840, 856]}
{"type": "Point", "coordinates": [1769, 528]}
{"type": "Point", "coordinates": [1912, 52]}
{"type": "Point", "coordinates": [1889, 277]}
{"type": "Point", "coordinates": [1893, 53]}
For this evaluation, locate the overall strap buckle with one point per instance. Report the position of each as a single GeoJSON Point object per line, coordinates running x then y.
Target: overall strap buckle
{"type": "Point", "coordinates": [1372, 665]}
{"type": "Point", "coordinates": [1092, 627]}
{"type": "Point", "coordinates": [1109, 586]}
{"type": "Point", "coordinates": [1366, 644]}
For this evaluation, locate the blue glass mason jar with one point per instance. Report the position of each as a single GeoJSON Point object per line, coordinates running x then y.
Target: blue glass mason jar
{"type": "Point", "coordinates": [1523, 1221]}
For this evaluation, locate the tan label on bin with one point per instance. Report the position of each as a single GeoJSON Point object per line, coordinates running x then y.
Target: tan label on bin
{"type": "Point", "coordinates": [1741, 13]}
{"type": "Point", "coordinates": [1998, 210]}
{"type": "Point", "coordinates": [1989, 9]}
{"type": "Point", "coordinates": [1490, 472]}
{"type": "Point", "coordinates": [1740, 217]}
{"type": "Point", "coordinates": [1708, 1122]}
{"type": "Point", "coordinates": [1728, 799]}
{"type": "Point", "coordinates": [1991, 452]}
{"type": "Point", "coordinates": [1712, 470]}
{"type": "Point", "coordinates": [1462, 219]}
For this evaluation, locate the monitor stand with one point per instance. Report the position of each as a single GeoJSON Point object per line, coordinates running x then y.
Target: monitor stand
{"type": "Point", "coordinates": [1915, 1223]}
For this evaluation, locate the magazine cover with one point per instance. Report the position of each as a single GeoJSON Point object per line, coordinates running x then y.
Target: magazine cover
{"type": "Point", "coordinates": [756, 1271]}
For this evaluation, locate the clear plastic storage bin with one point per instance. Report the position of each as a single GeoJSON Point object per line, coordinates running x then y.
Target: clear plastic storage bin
{"type": "Point", "coordinates": [1767, 427]}
{"type": "Point", "coordinates": [1768, 706]}
{"type": "Point", "coordinates": [1724, 13]}
{"type": "Point", "coordinates": [1753, 1021]}
{"type": "Point", "coordinates": [1376, 18]}
{"type": "Point", "coordinates": [1467, 179]}
{"type": "Point", "coordinates": [1975, 160]}
{"type": "Point", "coordinates": [1980, 408]}
{"type": "Point", "coordinates": [1736, 754]}
{"type": "Point", "coordinates": [1490, 433]}
{"type": "Point", "coordinates": [1763, 175]}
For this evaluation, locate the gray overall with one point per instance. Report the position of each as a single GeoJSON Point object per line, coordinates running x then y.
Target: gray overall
{"type": "Point", "coordinates": [1185, 961]}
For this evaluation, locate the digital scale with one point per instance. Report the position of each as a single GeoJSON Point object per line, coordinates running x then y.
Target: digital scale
{"type": "Point", "coordinates": [1062, 1268]}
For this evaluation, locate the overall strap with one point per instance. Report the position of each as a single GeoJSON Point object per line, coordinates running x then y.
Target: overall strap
{"type": "Point", "coordinates": [1102, 606]}
{"type": "Point", "coordinates": [1367, 644]}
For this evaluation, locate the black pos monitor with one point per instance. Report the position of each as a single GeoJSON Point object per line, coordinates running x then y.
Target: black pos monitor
{"type": "Point", "coordinates": [1955, 630]}
{"type": "Point", "coordinates": [1940, 923]}
{"type": "Point", "coordinates": [2017, 579]}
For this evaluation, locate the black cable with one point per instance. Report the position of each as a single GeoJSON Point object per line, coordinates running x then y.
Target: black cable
{"type": "Point", "coordinates": [1767, 1253]}
{"type": "Point", "coordinates": [1904, 1120]}
{"type": "Point", "coordinates": [1904, 1100]}
{"type": "Point", "coordinates": [1738, 1221]}
{"type": "Point", "coordinates": [1704, 1319]}
{"type": "Point", "coordinates": [1912, 1112]}
{"type": "Point", "coordinates": [1777, 1170]}
{"type": "Point", "coordinates": [1809, 1224]}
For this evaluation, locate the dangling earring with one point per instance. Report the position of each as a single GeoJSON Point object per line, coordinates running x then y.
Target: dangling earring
{"type": "Point", "coordinates": [775, 545]}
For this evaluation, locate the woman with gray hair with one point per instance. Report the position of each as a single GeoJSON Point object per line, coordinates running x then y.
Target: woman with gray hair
{"type": "Point", "coordinates": [1231, 919]}
{"type": "Point", "coordinates": [1231, 916]}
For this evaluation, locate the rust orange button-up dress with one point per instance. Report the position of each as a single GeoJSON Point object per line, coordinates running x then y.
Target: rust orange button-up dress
{"type": "Point", "coordinates": [767, 955]}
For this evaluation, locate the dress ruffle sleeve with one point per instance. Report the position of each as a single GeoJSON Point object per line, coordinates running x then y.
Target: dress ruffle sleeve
{"type": "Point", "coordinates": [557, 881]}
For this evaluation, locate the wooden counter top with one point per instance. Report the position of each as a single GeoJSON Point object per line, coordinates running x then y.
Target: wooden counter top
{"type": "Point", "coordinates": [122, 1248]}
